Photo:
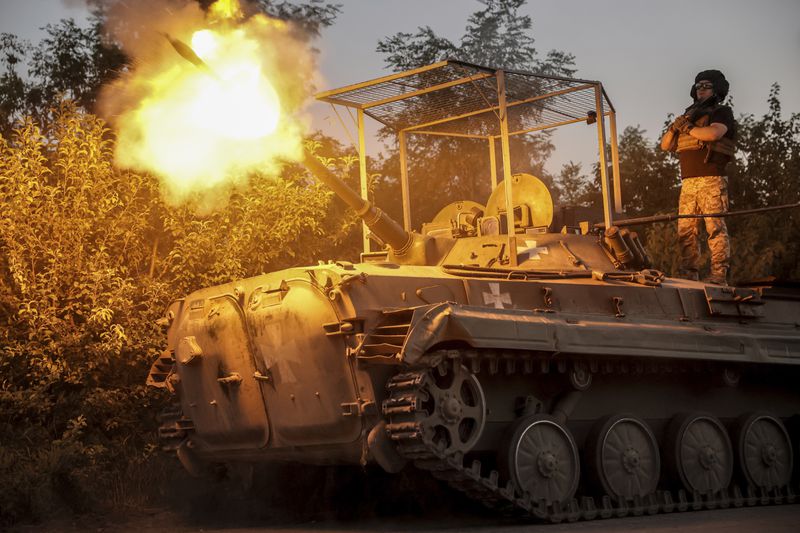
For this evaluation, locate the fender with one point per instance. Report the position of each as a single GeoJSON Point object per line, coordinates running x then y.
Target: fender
{"type": "Point", "coordinates": [515, 329]}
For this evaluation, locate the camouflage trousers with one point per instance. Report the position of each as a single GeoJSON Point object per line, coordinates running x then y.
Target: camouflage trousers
{"type": "Point", "coordinates": [701, 195]}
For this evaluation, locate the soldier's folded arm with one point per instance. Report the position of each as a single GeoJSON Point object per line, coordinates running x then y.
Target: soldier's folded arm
{"type": "Point", "coordinates": [713, 132]}
{"type": "Point", "coordinates": [668, 140]}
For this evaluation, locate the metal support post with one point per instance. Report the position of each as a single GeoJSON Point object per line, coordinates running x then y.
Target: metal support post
{"type": "Point", "coordinates": [612, 123]}
{"type": "Point", "coordinates": [601, 140]}
{"type": "Point", "coordinates": [506, 151]}
{"type": "Point", "coordinates": [362, 168]}
{"type": "Point", "coordinates": [401, 139]}
{"type": "Point", "coordinates": [493, 163]}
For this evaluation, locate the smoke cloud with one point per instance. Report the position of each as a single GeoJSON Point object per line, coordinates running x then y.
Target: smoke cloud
{"type": "Point", "coordinates": [203, 130]}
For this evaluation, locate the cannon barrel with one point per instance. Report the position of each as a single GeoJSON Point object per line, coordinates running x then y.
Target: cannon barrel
{"type": "Point", "coordinates": [381, 224]}
{"type": "Point", "coordinates": [674, 216]}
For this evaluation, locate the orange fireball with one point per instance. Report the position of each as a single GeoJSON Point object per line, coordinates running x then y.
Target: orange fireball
{"type": "Point", "coordinates": [219, 116]}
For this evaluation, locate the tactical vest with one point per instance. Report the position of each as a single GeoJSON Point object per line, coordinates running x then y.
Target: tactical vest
{"type": "Point", "coordinates": [724, 146]}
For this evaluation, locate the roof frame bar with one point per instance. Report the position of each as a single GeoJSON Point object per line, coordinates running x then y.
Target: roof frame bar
{"type": "Point", "coordinates": [501, 113]}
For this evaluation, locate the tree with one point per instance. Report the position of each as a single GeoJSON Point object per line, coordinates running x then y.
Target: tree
{"type": "Point", "coordinates": [497, 35]}
{"type": "Point", "coordinates": [443, 170]}
{"type": "Point", "coordinates": [649, 175]}
{"type": "Point", "coordinates": [311, 16]}
{"type": "Point", "coordinates": [767, 172]}
{"type": "Point", "coordinates": [70, 62]}
{"type": "Point", "coordinates": [12, 84]}
{"type": "Point", "coordinates": [572, 185]}
{"type": "Point", "coordinates": [76, 324]}
{"type": "Point", "coordinates": [74, 62]}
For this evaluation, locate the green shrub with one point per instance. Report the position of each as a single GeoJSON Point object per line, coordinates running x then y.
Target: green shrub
{"type": "Point", "coordinates": [90, 256]}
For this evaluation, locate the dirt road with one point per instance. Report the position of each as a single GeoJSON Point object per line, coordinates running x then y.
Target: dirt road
{"type": "Point", "coordinates": [785, 518]}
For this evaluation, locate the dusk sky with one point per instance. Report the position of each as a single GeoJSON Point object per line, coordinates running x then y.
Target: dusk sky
{"type": "Point", "coordinates": [645, 52]}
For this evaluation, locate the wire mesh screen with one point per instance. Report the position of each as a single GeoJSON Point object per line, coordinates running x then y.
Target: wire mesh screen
{"type": "Point", "coordinates": [455, 97]}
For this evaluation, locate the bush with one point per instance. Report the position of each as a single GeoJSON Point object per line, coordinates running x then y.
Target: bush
{"type": "Point", "coordinates": [89, 258]}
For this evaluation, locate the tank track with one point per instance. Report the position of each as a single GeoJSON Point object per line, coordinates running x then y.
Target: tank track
{"type": "Point", "coordinates": [403, 409]}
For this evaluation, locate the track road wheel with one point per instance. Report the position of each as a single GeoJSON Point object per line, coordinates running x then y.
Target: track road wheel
{"type": "Point", "coordinates": [699, 453]}
{"type": "Point", "coordinates": [764, 451]}
{"type": "Point", "coordinates": [541, 459]}
{"type": "Point", "coordinates": [455, 407]}
{"type": "Point", "coordinates": [623, 458]}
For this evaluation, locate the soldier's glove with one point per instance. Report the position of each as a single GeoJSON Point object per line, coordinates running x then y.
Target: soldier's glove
{"type": "Point", "coordinates": [682, 125]}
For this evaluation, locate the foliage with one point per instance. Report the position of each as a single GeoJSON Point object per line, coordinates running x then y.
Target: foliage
{"type": "Point", "coordinates": [70, 62]}
{"type": "Point", "coordinates": [573, 188]}
{"type": "Point", "coordinates": [497, 35]}
{"type": "Point", "coordinates": [76, 314]}
{"type": "Point", "coordinates": [274, 224]}
{"type": "Point", "coordinates": [89, 258]}
{"type": "Point", "coordinates": [649, 176]}
{"type": "Point", "coordinates": [442, 170]}
{"type": "Point", "coordinates": [767, 172]}
{"type": "Point", "coordinates": [311, 16]}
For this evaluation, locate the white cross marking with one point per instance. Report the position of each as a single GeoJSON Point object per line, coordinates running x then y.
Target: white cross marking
{"type": "Point", "coordinates": [533, 251]}
{"type": "Point", "coordinates": [496, 297]}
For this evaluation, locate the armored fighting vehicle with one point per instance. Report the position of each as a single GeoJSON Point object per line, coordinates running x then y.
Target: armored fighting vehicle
{"type": "Point", "coordinates": [537, 367]}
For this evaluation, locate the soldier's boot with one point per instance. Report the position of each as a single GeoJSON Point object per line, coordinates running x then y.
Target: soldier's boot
{"type": "Point", "coordinates": [689, 274]}
{"type": "Point", "coordinates": [718, 276]}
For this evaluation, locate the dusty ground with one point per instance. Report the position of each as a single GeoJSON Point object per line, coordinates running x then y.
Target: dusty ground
{"type": "Point", "coordinates": [776, 519]}
{"type": "Point", "coordinates": [294, 499]}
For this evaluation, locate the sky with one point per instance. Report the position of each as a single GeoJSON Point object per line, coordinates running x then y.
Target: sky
{"type": "Point", "coordinates": [645, 52]}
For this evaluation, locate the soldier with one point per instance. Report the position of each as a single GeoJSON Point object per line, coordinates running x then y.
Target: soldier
{"type": "Point", "coordinates": [704, 138]}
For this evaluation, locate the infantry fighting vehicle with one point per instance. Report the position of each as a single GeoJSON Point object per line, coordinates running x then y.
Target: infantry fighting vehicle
{"type": "Point", "coordinates": [534, 367]}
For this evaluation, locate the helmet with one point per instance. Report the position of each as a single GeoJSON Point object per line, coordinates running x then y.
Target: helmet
{"type": "Point", "coordinates": [717, 78]}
